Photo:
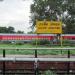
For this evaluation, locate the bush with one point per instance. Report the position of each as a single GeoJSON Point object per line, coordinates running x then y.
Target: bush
{"type": "Point", "coordinates": [6, 42]}
{"type": "Point", "coordinates": [19, 43]}
{"type": "Point", "coordinates": [40, 42]}
{"type": "Point", "coordinates": [68, 42]}
{"type": "Point", "coordinates": [49, 73]}
{"type": "Point", "coordinates": [65, 41]}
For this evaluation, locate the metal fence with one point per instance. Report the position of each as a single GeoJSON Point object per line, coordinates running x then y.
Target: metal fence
{"type": "Point", "coordinates": [36, 70]}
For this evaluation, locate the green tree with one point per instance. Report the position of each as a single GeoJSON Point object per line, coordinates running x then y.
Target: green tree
{"type": "Point", "coordinates": [7, 30]}
{"type": "Point", "coordinates": [10, 29]}
{"type": "Point", "coordinates": [3, 30]}
{"type": "Point", "coordinates": [20, 32]}
{"type": "Point", "coordinates": [55, 10]}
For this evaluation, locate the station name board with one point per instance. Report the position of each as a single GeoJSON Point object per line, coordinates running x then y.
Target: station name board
{"type": "Point", "coordinates": [54, 27]}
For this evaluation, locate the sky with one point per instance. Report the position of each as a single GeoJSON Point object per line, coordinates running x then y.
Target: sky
{"type": "Point", "coordinates": [15, 13]}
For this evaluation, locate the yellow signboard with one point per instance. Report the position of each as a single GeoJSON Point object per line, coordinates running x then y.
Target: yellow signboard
{"type": "Point", "coordinates": [48, 27]}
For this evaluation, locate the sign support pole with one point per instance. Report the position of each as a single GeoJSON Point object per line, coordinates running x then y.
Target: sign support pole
{"type": "Point", "coordinates": [61, 40]}
{"type": "Point", "coordinates": [36, 45]}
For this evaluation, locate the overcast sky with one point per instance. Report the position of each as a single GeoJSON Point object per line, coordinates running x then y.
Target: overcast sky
{"type": "Point", "coordinates": [15, 13]}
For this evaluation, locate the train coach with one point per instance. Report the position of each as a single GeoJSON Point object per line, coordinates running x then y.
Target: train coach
{"type": "Point", "coordinates": [27, 37]}
{"type": "Point", "coordinates": [24, 37]}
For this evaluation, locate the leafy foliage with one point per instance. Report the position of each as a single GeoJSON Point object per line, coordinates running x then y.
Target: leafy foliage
{"type": "Point", "coordinates": [20, 32]}
{"type": "Point", "coordinates": [40, 42]}
{"type": "Point", "coordinates": [50, 73]}
{"type": "Point", "coordinates": [9, 30]}
{"type": "Point", "coordinates": [55, 10]}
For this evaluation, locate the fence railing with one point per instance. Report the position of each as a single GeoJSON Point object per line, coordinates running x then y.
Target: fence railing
{"type": "Point", "coordinates": [36, 60]}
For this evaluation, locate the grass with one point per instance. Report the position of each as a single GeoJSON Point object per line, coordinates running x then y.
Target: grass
{"type": "Point", "coordinates": [31, 52]}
